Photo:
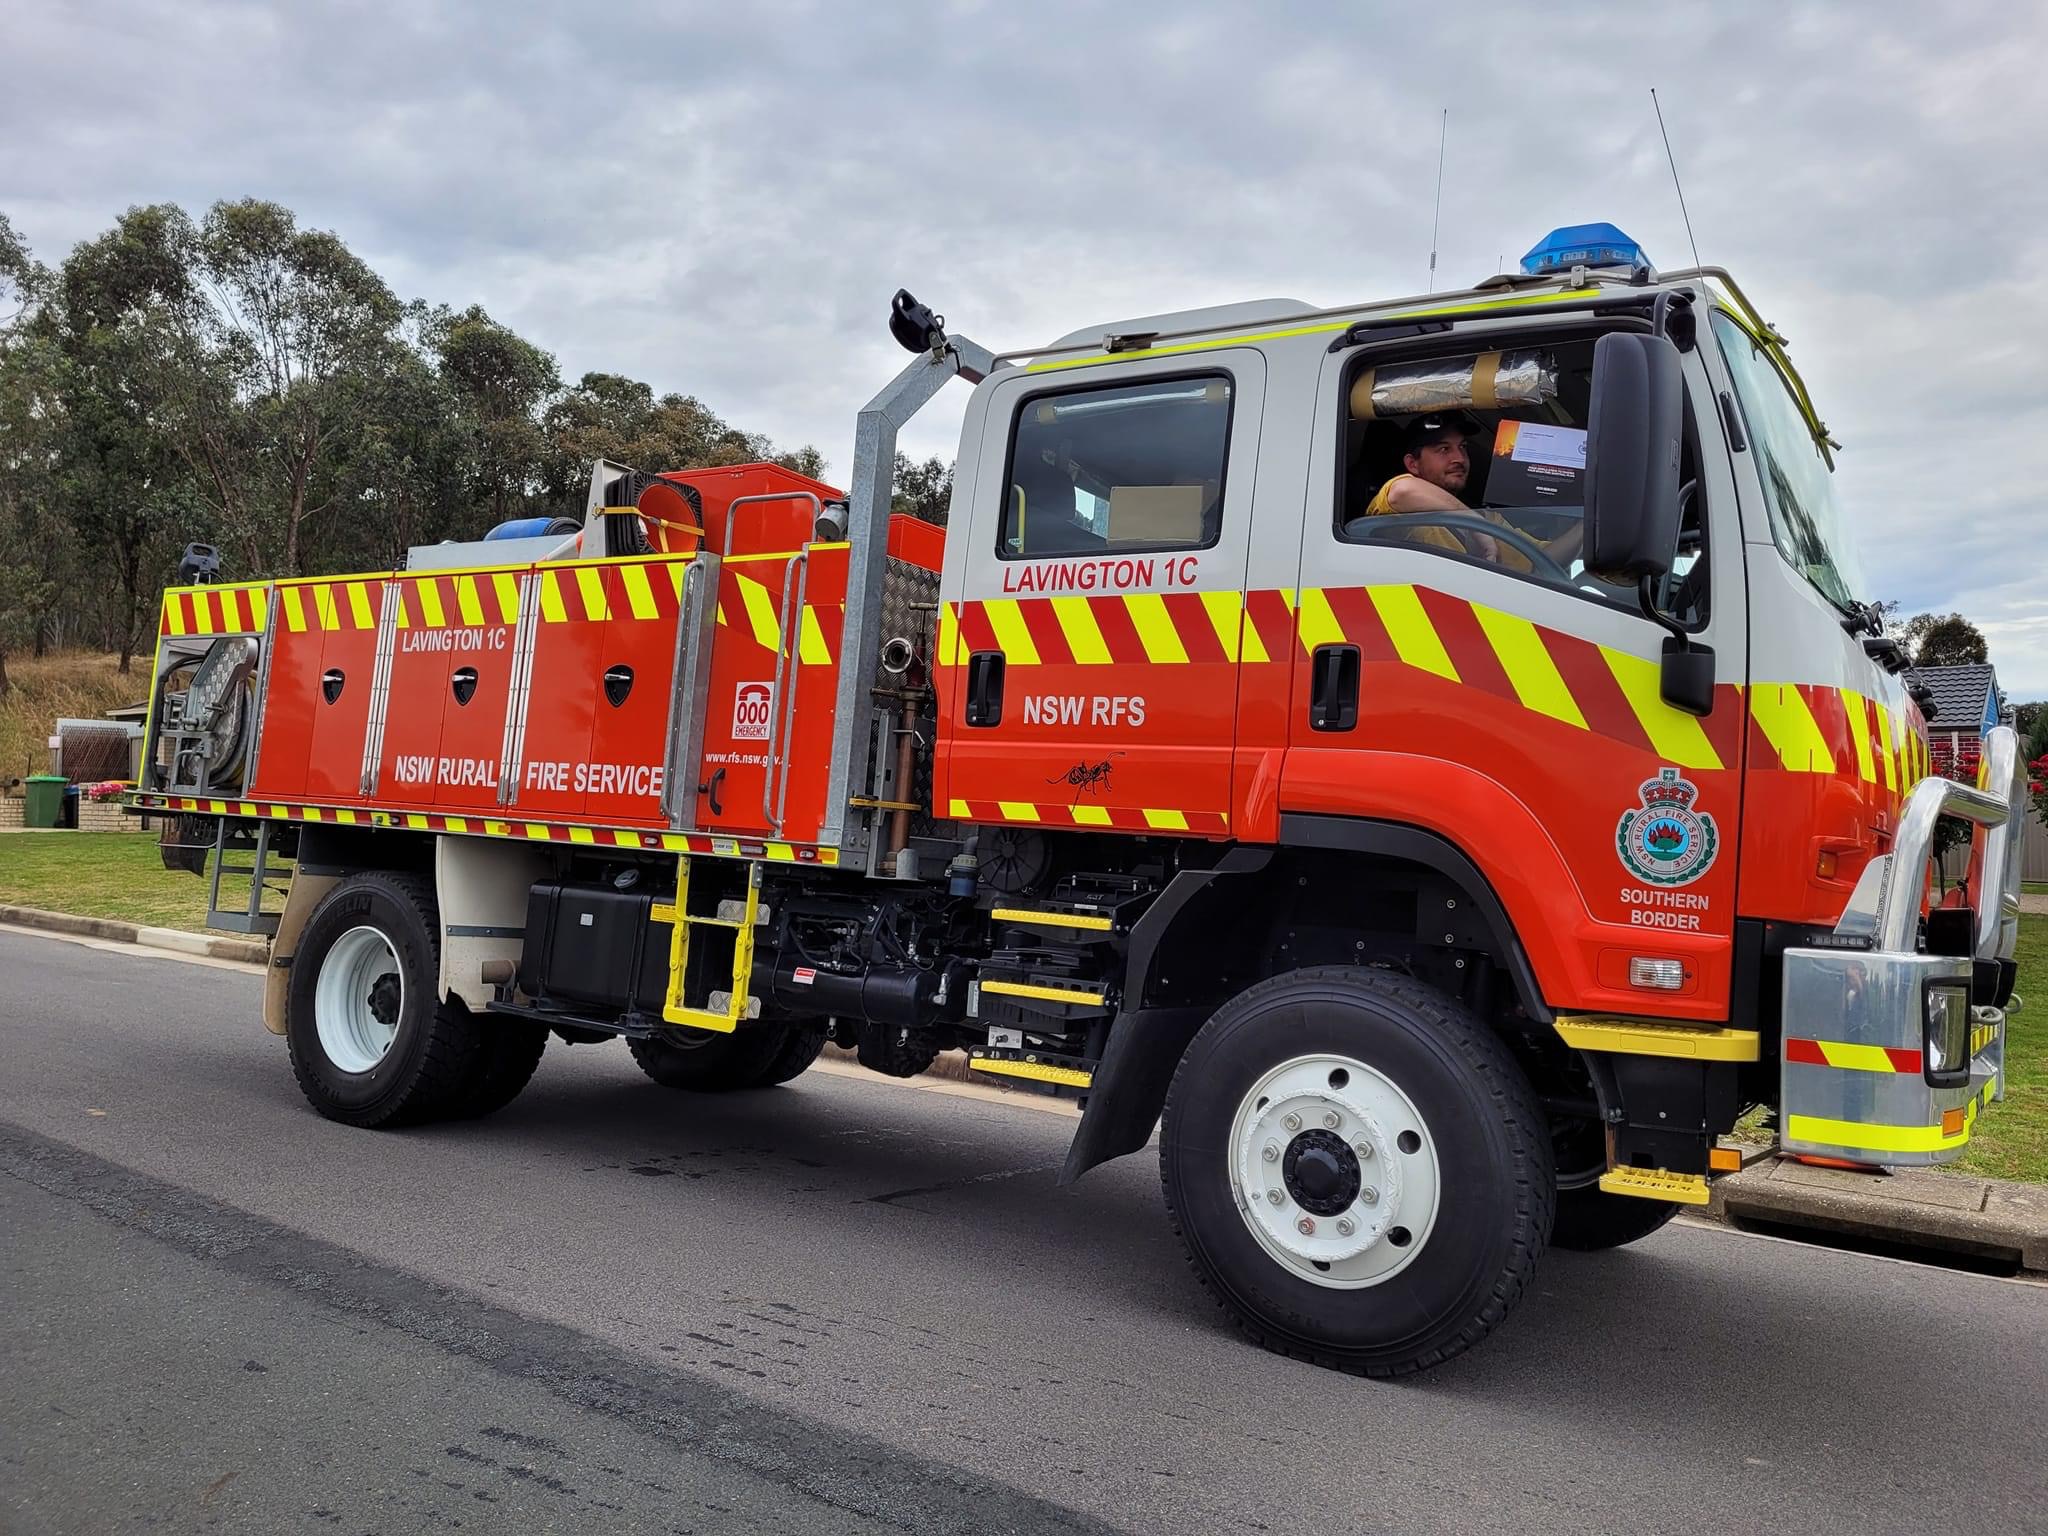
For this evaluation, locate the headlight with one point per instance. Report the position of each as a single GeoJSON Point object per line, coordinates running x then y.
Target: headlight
{"type": "Point", "coordinates": [1947, 1035]}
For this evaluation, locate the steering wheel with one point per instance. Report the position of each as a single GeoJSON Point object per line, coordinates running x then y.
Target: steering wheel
{"type": "Point", "coordinates": [1540, 560]}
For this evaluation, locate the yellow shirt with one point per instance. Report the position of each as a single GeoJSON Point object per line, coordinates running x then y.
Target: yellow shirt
{"type": "Point", "coordinates": [1511, 558]}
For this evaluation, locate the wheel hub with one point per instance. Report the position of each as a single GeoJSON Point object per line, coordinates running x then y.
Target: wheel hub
{"type": "Point", "coordinates": [358, 998]}
{"type": "Point", "coordinates": [1335, 1171]}
{"type": "Point", "coordinates": [1321, 1173]}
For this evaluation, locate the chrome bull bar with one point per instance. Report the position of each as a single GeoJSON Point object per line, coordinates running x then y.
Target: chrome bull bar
{"type": "Point", "coordinates": [1886, 1057]}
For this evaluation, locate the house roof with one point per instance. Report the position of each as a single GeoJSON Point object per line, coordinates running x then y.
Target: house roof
{"type": "Point", "coordinates": [1960, 694]}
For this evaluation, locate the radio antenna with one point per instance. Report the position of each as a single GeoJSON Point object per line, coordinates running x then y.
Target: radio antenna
{"type": "Point", "coordinates": [1436, 219]}
{"type": "Point", "coordinates": [1672, 161]}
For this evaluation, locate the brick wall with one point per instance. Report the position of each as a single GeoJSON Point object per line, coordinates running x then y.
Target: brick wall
{"type": "Point", "coordinates": [106, 816]}
{"type": "Point", "coordinates": [11, 812]}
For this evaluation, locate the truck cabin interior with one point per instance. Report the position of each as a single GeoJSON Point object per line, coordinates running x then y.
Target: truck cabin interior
{"type": "Point", "coordinates": [1530, 402]}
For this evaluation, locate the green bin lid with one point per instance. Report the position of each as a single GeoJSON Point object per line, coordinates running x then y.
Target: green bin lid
{"type": "Point", "coordinates": [47, 778]}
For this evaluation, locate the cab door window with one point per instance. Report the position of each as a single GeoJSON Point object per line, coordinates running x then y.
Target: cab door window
{"type": "Point", "coordinates": [1125, 470]}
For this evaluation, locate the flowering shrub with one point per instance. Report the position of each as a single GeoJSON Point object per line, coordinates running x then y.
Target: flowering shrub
{"type": "Point", "coordinates": [2037, 786]}
{"type": "Point", "coordinates": [109, 789]}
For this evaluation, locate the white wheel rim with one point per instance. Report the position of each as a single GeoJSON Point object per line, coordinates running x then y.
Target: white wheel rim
{"type": "Point", "coordinates": [1369, 1207]}
{"type": "Point", "coordinates": [358, 999]}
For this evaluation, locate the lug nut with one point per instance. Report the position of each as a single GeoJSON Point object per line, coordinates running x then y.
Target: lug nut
{"type": "Point", "coordinates": [1363, 1148]}
{"type": "Point", "coordinates": [1346, 1226]}
{"type": "Point", "coordinates": [1306, 1226]}
{"type": "Point", "coordinates": [1368, 1196]}
{"type": "Point", "coordinates": [1332, 1119]}
{"type": "Point", "coordinates": [1275, 1196]}
{"type": "Point", "coordinates": [1291, 1120]}
{"type": "Point", "coordinates": [1271, 1152]}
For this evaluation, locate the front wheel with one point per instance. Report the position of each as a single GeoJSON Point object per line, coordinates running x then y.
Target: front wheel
{"type": "Point", "coordinates": [1591, 1219]}
{"type": "Point", "coordinates": [1358, 1170]}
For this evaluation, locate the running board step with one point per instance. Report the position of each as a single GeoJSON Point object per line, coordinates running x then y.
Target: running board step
{"type": "Point", "coordinates": [1073, 919]}
{"type": "Point", "coordinates": [1656, 1184]}
{"type": "Point", "coordinates": [1036, 1066]}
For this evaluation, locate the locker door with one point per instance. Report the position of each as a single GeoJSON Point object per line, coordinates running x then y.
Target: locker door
{"type": "Point", "coordinates": [346, 613]}
{"type": "Point", "coordinates": [635, 676]}
{"type": "Point", "coordinates": [476, 679]}
{"type": "Point", "coordinates": [407, 766]}
{"type": "Point", "coordinates": [562, 699]}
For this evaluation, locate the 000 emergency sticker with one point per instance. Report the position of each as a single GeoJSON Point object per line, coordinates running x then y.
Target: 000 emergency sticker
{"type": "Point", "coordinates": [750, 710]}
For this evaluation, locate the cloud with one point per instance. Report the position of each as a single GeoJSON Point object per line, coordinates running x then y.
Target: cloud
{"type": "Point", "coordinates": [721, 198]}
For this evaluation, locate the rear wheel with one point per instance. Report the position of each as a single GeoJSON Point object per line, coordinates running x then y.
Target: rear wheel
{"type": "Point", "coordinates": [1358, 1169]}
{"type": "Point", "coordinates": [706, 1061]}
{"type": "Point", "coordinates": [508, 1051]}
{"type": "Point", "coordinates": [1591, 1219]}
{"type": "Point", "coordinates": [370, 1042]}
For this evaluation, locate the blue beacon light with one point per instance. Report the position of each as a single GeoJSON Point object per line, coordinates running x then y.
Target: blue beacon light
{"type": "Point", "coordinates": [1582, 245]}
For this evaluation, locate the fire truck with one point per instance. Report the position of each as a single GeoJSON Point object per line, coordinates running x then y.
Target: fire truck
{"type": "Point", "coordinates": [1436, 885]}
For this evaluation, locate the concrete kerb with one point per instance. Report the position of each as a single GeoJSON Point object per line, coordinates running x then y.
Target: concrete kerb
{"type": "Point", "coordinates": [246, 951]}
{"type": "Point", "coordinates": [1909, 1208]}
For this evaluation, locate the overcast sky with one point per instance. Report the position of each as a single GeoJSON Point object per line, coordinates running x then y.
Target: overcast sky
{"type": "Point", "coordinates": [721, 198]}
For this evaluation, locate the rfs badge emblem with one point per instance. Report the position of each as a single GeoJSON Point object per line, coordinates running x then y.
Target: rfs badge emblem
{"type": "Point", "coordinates": [1663, 840]}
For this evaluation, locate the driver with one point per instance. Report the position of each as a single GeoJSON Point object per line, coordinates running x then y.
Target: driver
{"type": "Point", "coordinates": [1438, 466]}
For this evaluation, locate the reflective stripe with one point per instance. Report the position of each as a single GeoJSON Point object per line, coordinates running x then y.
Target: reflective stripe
{"type": "Point", "coordinates": [1415, 638]}
{"type": "Point", "coordinates": [1674, 735]}
{"type": "Point", "coordinates": [1531, 672]}
{"type": "Point", "coordinates": [1789, 726]}
{"type": "Point", "coordinates": [1873, 1138]}
{"type": "Point", "coordinates": [1083, 635]}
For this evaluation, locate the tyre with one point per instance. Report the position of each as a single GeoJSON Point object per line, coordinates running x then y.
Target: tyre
{"type": "Point", "coordinates": [370, 1042]}
{"type": "Point", "coordinates": [706, 1061]}
{"type": "Point", "coordinates": [1358, 1170]}
{"type": "Point", "coordinates": [508, 1051]}
{"type": "Point", "coordinates": [1590, 1219]}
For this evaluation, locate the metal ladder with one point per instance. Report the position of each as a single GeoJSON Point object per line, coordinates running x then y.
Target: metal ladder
{"type": "Point", "coordinates": [731, 920]}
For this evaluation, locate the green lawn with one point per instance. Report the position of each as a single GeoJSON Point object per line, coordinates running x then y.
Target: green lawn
{"type": "Point", "coordinates": [119, 875]}
{"type": "Point", "coordinates": [105, 874]}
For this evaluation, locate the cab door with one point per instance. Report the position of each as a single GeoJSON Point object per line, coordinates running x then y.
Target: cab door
{"type": "Point", "coordinates": [1518, 717]}
{"type": "Point", "coordinates": [1091, 614]}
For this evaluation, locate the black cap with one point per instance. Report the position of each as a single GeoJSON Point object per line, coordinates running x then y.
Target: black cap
{"type": "Point", "coordinates": [1430, 428]}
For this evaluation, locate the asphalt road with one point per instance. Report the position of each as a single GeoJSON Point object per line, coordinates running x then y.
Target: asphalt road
{"type": "Point", "coordinates": [848, 1305]}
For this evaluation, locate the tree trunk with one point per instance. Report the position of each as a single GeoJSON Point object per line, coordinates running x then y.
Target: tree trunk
{"type": "Point", "coordinates": [6, 687]}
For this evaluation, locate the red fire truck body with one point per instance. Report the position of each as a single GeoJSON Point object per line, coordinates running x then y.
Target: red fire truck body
{"type": "Point", "coordinates": [1452, 881]}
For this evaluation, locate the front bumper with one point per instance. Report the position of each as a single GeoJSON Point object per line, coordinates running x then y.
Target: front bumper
{"type": "Point", "coordinates": [1863, 1075]}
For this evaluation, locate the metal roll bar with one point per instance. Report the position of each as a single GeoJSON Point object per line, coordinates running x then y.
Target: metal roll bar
{"type": "Point", "coordinates": [1905, 875]}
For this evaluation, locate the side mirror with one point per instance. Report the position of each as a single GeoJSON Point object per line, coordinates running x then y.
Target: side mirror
{"type": "Point", "coordinates": [1632, 450]}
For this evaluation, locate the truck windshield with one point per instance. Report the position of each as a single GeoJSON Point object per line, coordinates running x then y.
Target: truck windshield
{"type": "Point", "coordinates": [1806, 525]}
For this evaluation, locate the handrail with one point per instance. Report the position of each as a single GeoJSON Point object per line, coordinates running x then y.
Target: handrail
{"type": "Point", "coordinates": [1905, 877]}
{"type": "Point", "coordinates": [747, 501]}
{"type": "Point", "coordinates": [1994, 870]}
{"type": "Point", "coordinates": [788, 646]}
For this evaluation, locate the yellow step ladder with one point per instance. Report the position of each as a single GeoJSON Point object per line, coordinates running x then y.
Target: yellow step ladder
{"type": "Point", "coordinates": [730, 921]}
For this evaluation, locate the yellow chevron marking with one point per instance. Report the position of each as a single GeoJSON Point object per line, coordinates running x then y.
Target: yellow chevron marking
{"type": "Point", "coordinates": [1789, 727]}
{"type": "Point", "coordinates": [551, 609]}
{"type": "Point", "coordinates": [507, 587]}
{"type": "Point", "coordinates": [1886, 751]}
{"type": "Point", "coordinates": [1166, 821]}
{"type": "Point", "coordinates": [174, 613]}
{"type": "Point", "coordinates": [466, 601]}
{"type": "Point", "coordinates": [359, 606]}
{"type": "Point", "coordinates": [415, 820]}
{"type": "Point", "coordinates": [346, 818]}
{"type": "Point", "coordinates": [639, 596]}
{"type": "Point", "coordinates": [430, 603]}
{"type": "Point", "coordinates": [1415, 638]}
{"type": "Point", "coordinates": [1226, 617]}
{"type": "Point", "coordinates": [1528, 664]}
{"type": "Point", "coordinates": [1017, 810]}
{"type": "Point", "coordinates": [582, 835]}
{"type": "Point", "coordinates": [323, 606]}
{"type": "Point", "coordinates": [294, 610]}
{"type": "Point", "coordinates": [1859, 732]}
{"type": "Point", "coordinates": [781, 853]}
{"type": "Point", "coordinates": [458, 824]}
{"type": "Point", "coordinates": [1850, 1057]}
{"type": "Point", "coordinates": [810, 640]}
{"type": "Point", "coordinates": [1012, 637]}
{"type": "Point", "coordinates": [404, 620]}
{"type": "Point", "coordinates": [230, 611]}
{"type": "Point", "coordinates": [1674, 735]}
{"type": "Point", "coordinates": [956, 810]}
{"type": "Point", "coordinates": [1083, 634]}
{"type": "Point", "coordinates": [590, 591]}
{"type": "Point", "coordinates": [949, 636]}
{"type": "Point", "coordinates": [1155, 627]}
{"type": "Point", "coordinates": [675, 577]}
{"type": "Point", "coordinates": [537, 832]}
{"type": "Point", "coordinates": [1091, 815]}
{"type": "Point", "coordinates": [1318, 624]}
{"type": "Point", "coordinates": [760, 612]}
